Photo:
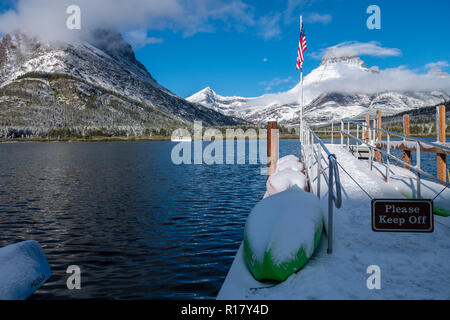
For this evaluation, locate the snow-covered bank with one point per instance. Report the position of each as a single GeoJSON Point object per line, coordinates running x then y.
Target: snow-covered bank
{"type": "Point", "coordinates": [413, 265]}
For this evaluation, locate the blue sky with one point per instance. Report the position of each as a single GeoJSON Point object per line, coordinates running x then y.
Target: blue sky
{"type": "Point", "coordinates": [248, 48]}
{"type": "Point", "coordinates": [232, 61]}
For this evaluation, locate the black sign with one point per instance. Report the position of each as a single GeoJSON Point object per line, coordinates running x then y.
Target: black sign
{"type": "Point", "coordinates": [400, 215]}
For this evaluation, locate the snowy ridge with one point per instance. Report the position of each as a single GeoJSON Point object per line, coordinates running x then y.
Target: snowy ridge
{"type": "Point", "coordinates": [328, 96]}
{"type": "Point", "coordinates": [102, 69]}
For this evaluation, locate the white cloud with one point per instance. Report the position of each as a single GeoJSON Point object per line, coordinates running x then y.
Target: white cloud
{"type": "Point", "coordinates": [318, 18]}
{"type": "Point", "coordinates": [293, 5]}
{"type": "Point", "coordinates": [354, 48]}
{"type": "Point", "coordinates": [270, 26]}
{"type": "Point", "coordinates": [265, 59]}
{"type": "Point", "coordinates": [276, 82]}
{"type": "Point", "coordinates": [295, 8]}
{"type": "Point", "coordinates": [437, 64]}
{"type": "Point", "coordinates": [392, 79]}
{"type": "Point", "coordinates": [48, 17]}
{"type": "Point", "coordinates": [139, 38]}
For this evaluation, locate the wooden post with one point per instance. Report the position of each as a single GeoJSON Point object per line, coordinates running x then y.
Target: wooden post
{"type": "Point", "coordinates": [272, 146]}
{"type": "Point", "coordinates": [440, 131]}
{"type": "Point", "coordinates": [378, 153]}
{"type": "Point", "coordinates": [366, 132]}
{"type": "Point", "coordinates": [406, 154]}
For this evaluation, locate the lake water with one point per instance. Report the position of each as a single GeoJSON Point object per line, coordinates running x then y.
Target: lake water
{"type": "Point", "coordinates": [137, 225]}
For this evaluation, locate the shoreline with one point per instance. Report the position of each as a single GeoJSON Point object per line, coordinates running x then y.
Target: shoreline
{"type": "Point", "coordinates": [154, 138]}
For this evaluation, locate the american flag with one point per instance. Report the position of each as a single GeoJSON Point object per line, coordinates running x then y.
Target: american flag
{"type": "Point", "coordinates": [301, 48]}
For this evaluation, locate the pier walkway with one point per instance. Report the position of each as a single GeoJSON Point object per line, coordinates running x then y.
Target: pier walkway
{"type": "Point", "coordinates": [413, 265]}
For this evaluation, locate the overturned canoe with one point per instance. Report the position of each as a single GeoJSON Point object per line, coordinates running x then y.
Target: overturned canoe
{"type": "Point", "coordinates": [281, 234]}
{"type": "Point", "coordinates": [285, 179]}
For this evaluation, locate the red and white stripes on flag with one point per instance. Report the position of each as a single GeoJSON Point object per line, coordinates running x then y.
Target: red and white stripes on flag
{"type": "Point", "coordinates": [301, 48]}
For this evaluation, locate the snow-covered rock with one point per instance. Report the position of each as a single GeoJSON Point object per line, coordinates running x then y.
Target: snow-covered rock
{"type": "Point", "coordinates": [23, 269]}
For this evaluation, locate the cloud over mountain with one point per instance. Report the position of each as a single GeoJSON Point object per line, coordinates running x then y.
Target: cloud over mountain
{"type": "Point", "coordinates": [47, 18]}
{"type": "Point", "coordinates": [355, 48]}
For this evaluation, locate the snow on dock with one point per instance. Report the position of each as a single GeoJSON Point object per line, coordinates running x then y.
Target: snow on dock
{"type": "Point", "coordinates": [413, 265]}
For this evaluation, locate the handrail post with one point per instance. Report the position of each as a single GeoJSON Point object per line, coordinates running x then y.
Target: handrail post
{"type": "Point", "coordinates": [379, 135]}
{"type": "Point", "coordinates": [319, 169]}
{"type": "Point", "coordinates": [348, 135]}
{"type": "Point", "coordinates": [374, 130]}
{"type": "Point", "coordinates": [367, 129]}
{"type": "Point", "coordinates": [357, 142]}
{"type": "Point", "coordinates": [387, 157]}
{"type": "Point", "coordinates": [419, 193]}
{"type": "Point", "coordinates": [441, 158]}
{"type": "Point", "coordinates": [330, 205]}
{"type": "Point", "coordinates": [342, 133]}
{"type": "Point", "coordinates": [332, 133]}
{"type": "Point", "coordinates": [406, 154]}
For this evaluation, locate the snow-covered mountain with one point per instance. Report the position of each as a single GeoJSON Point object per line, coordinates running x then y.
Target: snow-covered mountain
{"type": "Point", "coordinates": [331, 92]}
{"type": "Point", "coordinates": [92, 83]}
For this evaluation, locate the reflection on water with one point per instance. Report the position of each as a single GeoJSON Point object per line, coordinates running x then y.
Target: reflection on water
{"type": "Point", "coordinates": [137, 225]}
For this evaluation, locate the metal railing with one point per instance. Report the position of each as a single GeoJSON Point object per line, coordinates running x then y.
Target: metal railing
{"type": "Point", "coordinates": [313, 150]}
{"type": "Point", "coordinates": [371, 144]}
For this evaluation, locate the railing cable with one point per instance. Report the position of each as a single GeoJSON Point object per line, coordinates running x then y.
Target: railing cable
{"type": "Point", "coordinates": [446, 186]}
{"type": "Point", "coordinates": [354, 180]}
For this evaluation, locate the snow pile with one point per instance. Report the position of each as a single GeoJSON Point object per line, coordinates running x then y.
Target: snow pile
{"type": "Point", "coordinates": [281, 233]}
{"type": "Point", "coordinates": [289, 173]}
{"type": "Point", "coordinates": [290, 162]}
{"type": "Point", "coordinates": [23, 269]}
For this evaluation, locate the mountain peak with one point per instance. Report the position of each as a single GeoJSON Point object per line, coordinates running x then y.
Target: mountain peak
{"type": "Point", "coordinates": [112, 43]}
{"type": "Point", "coordinates": [96, 56]}
{"type": "Point", "coordinates": [349, 60]}
{"type": "Point", "coordinates": [208, 91]}
{"type": "Point", "coordinates": [93, 82]}
{"type": "Point", "coordinates": [207, 94]}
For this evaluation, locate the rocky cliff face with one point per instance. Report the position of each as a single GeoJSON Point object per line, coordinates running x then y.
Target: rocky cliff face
{"type": "Point", "coordinates": [91, 85]}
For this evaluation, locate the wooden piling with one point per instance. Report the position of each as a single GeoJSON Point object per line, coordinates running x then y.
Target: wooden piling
{"type": "Point", "coordinates": [440, 132]}
{"type": "Point", "coordinates": [366, 132]}
{"type": "Point", "coordinates": [272, 146]}
{"type": "Point", "coordinates": [406, 153]}
{"type": "Point", "coordinates": [378, 153]}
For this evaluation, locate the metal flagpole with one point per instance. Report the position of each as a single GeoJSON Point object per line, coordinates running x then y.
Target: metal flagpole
{"type": "Point", "coordinates": [301, 82]}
